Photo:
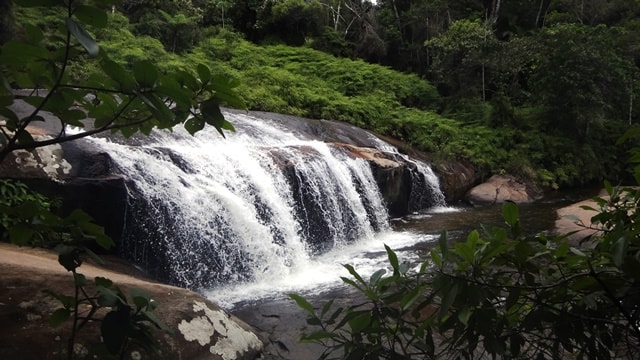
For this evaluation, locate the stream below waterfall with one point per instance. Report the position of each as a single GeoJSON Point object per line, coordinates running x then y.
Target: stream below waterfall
{"type": "Point", "coordinates": [281, 322]}
{"type": "Point", "coordinates": [411, 237]}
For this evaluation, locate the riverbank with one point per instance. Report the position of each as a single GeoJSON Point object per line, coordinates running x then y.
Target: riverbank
{"type": "Point", "coordinates": [199, 328]}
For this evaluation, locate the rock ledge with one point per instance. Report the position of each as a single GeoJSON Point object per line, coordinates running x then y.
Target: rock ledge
{"type": "Point", "coordinates": [201, 330]}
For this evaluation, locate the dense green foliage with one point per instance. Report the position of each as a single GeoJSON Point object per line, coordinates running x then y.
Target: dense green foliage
{"type": "Point", "coordinates": [535, 88]}
{"type": "Point", "coordinates": [500, 294]}
{"type": "Point", "coordinates": [539, 89]}
{"type": "Point", "coordinates": [125, 97]}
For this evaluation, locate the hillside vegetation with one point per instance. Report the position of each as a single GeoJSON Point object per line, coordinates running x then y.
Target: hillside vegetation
{"type": "Point", "coordinates": [545, 102]}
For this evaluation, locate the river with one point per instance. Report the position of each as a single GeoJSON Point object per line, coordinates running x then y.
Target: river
{"type": "Point", "coordinates": [281, 322]}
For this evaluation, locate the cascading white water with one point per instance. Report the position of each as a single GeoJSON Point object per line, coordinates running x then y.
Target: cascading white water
{"type": "Point", "coordinates": [254, 207]}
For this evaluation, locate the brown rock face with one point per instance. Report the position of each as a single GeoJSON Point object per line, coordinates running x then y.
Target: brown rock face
{"type": "Point", "coordinates": [391, 174]}
{"type": "Point", "coordinates": [501, 188]}
{"type": "Point", "coordinates": [200, 329]}
{"type": "Point", "coordinates": [456, 179]}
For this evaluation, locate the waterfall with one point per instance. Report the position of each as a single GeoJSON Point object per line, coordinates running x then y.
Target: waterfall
{"type": "Point", "coordinates": [206, 210]}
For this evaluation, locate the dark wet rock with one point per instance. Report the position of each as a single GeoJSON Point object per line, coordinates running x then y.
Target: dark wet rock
{"type": "Point", "coordinates": [403, 187]}
{"type": "Point", "coordinates": [77, 174]}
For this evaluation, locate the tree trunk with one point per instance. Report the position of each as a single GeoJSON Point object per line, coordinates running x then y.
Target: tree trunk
{"type": "Point", "coordinates": [630, 103]}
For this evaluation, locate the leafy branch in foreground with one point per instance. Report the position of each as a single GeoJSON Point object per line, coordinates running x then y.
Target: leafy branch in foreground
{"type": "Point", "coordinates": [115, 98]}
{"type": "Point", "coordinates": [27, 218]}
{"type": "Point", "coordinates": [500, 294]}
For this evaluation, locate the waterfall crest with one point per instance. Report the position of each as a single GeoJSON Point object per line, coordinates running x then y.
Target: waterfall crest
{"type": "Point", "coordinates": [205, 210]}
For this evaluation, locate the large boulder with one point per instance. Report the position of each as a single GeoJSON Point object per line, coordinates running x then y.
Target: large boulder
{"type": "Point", "coordinates": [501, 188]}
{"type": "Point", "coordinates": [199, 328]}
{"type": "Point", "coordinates": [575, 220]}
{"type": "Point", "coordinates": [456, 178]}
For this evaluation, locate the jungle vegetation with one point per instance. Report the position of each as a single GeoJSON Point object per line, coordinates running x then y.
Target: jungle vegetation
{"type": "Point", "coordinates": [538, 89]}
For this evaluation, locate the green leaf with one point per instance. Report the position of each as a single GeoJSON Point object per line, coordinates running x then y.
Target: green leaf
{"type": "Point", "coordinates": [355, 274]}
{"type": "Point", "coordinates": [77, 216]}
{"type": "Point", "coordinates": [59, 316]}
{"type": "Point", "coordinates": [204, 73]}
{"type": "Point", "coordinates": [118, 74]}
{"type": "Point", "coordinates": [91, 15]}
{"type": "Point", "coordinates": [319, 335]}
{"type": "Point", "coordinates": [225, 94]}
{"type": "Point", "coordinates": [11, 118]}
{"type": "Point", "coordinates": [352, 283]}
{"type": "Point", "coordinates": [66, 300]}
{"type": "Point", "coordinates": [69, 257]}
{"type": "Point", "coordinates": [442, 243]}
{"type": "Point", "coordinates": [212, 115]}
{"type": "Point", "coordinates": [73, 117]}
{"type": "Point", "coordinates": [6, 100]}
{"type": "Point", "coordinates": [159, 109]}
{"type": "Point", "coordinates": [34, 101]}
{"type": "Point", "coordinates": [83, 37]}
{"type": "Point", "coordinates": [145, 73]}
{"type": "Point", "coordinates": [103, 282]}
{"type": "Point", "coordinates": [128, 131]}
{"type": "Point", "coordinates": [408, 299]}
{"type": "Point", "coordinates": [94, 257]}
{"type": "Point", "coordinates": [393, 259]}
{"type": "Point", "coordinates": [34, 33]}
{"type": "Point", "coordinates": [510, 214]}
{"type": "Point", "coordinates": [608, 187]}
{"type": "Point", "coordinates": [584, 207]}
{"type": "Point", "coordinates": [155, 321]}
{"type": "Point", "coordinates": [181, 96]}
{"type": "Point", "coordinates": [326, 307]}
{"type": "Point", "coordinates": [104, 241]}
{"type": "Point", "coordinates": [572, 217]}
{"type": "Point", "coordinates": [435, 257]}
{"type": "Point", "coordinates": [108, 297]}
{"type": "Point", "coordinates": [586, 282]}
{"type": "Point", "coordinates": [187, 80]}
{"type": "Point", "coordinates": [359, 322]}
{"type": "Point", "coordinates": [631, 133]}
{"type": "Point", "coordinates": [447, 301]}
{"type": "Point", "coordinates": [577, 252]}
{"type": "Point", "coordinates": [464, 315]}
{"type": "Point", "coordinates": [302, 303]}
{"type": "Point", "coordinates": [194, 125]}
{"type": "Point", "coordinates": [113, 330]}
{"type": "Point", "coordinates": [619, 250]}
{"type": "Point", "coordinates": [140, 297]}
{"type": "Point", "coordinates": [80, 280]}
{"type": "Point", "coordinates": [562, 250]}
{"type": "Point", "coordinates": [376, 276]}
{"type": "Point", "coordinates": [334, 316]}
{"type": "Point", "coordinates": [17, 53]}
